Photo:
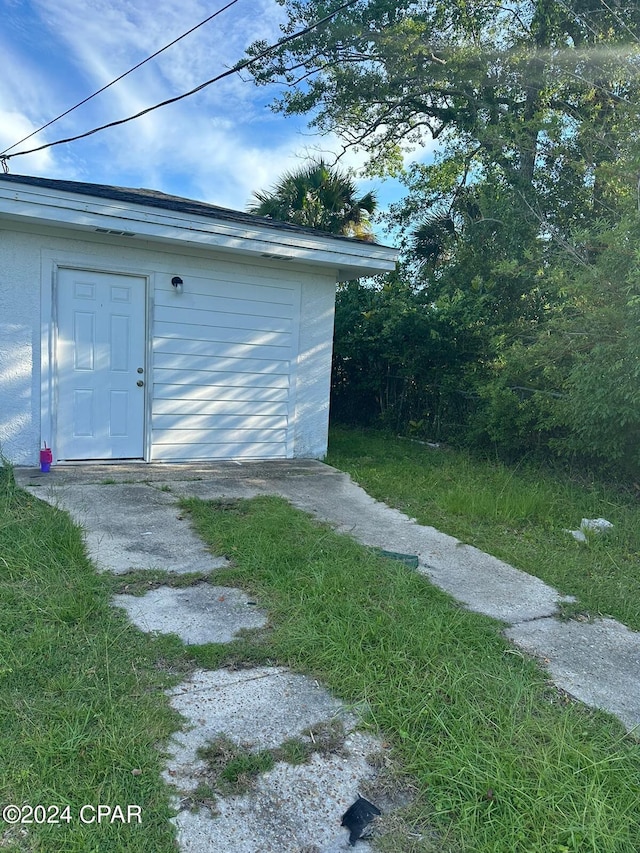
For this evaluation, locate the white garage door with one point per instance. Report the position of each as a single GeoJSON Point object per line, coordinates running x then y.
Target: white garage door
{"type": "Point", "coordinates": [223, 353]}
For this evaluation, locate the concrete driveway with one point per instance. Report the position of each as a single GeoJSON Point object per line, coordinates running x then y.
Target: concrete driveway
{"type": "Point", "coordinates": [131, 520]}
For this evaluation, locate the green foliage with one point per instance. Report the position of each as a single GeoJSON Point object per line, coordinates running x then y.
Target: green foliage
{"type": "Point", "coordinates": [572, 383]}
{"type": "Point", "coordinates": [513, 83]}
{"type": "Point", "coordinates": [318, 196]}
{"type": "Point", "coordinates": [602, 406]}
{"type": "Point", "coordinates": [518, 288]}
{"type": "Point", "coordinates": [396, 359]}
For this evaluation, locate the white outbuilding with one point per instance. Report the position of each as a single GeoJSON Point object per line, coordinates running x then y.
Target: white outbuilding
{"type": "Point", "coordinates": [136, 325]}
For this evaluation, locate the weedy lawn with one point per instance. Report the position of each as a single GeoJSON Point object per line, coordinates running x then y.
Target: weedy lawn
{"type": "Point", "coordinates": [81, 702]}
{"type": "Point", "coordinates": [502, 761]}
{"type": "Point", "coordinates": [517, 513]}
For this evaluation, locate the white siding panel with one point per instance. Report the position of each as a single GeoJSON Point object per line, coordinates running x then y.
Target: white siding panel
{"type": "Point", "coordinates": [173, 317]}
{"type": "Point", "coordinates": [222, 359]}
{"type": "Point", "coordinates": [234, 283]}
{"type": "Point", "coordinates": [231, 450]}
{"type": "Point", "coordinates": [228, 378]}
{"type": "Point", "coordinates": [247, 334]}
{"type": "Point", "coordinates": [217, 305]}
{"type": "Point", "coordinates": [190, 348]}
{"type": "Point", "coordinates": [218, 436]}
{"type": "Point", "coordinates": [174, 422]}
{"type": "Point", "coordinates": [187, 394]}
{"type": "Point", "coordinates": [231, 363]}
{"type": "Point", "coordinates": [218, 407]}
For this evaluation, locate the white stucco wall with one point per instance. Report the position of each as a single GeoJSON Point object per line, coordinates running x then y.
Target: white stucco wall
{"type": "Point", "coordinates": [19, 349]}
{"type": "Point", "coordinates": [313, 376]}
{"type": "Point", "coordinates": [28, 259]}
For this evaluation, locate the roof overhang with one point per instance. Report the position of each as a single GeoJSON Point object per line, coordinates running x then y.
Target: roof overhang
{"type": "Point", "coordinates": [126, 220]}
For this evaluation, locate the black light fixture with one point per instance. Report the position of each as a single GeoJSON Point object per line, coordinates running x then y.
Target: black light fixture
{"type": "Point", "coordinates": [177, 283]}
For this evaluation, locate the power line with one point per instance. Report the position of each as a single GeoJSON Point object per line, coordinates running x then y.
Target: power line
{"type": "Point", "coordinates": [577, 17]}
{"type": "Point", "coordinates": [619, 20]}
{"type": "Point", "coordinates": [4, 158]}
{"type": "Point", "coordinates": [122, 76]}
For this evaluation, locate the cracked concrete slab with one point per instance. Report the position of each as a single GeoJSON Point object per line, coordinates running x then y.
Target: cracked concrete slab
{"type": "Point", "coordinates": [257, 708]}
{"type": "Point", "coordinates": [291, 808]}
{"type": "Point", "coordinates": [290, 805]}
{"type": "Point", "coordinates": [131, 526]}
{"type": "Point", "coordinates": [197, 614]}
{"type": "Point", "coordinates": [597, 662]}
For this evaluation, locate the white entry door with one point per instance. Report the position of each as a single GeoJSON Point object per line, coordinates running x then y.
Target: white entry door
{"type": "Point", "coordinates": [100, 366]}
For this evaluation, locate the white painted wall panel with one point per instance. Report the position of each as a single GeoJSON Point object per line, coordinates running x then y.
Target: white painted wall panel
{"type": "Point", "coordinates": [236, 363]}
{"type": "Point", "coordinates": [164, 393]}
{"type": "Point", "coordinates": [193, 349]}
{"type": "Point", "coordinates": [213, 437]}
{"type": "Point", "coordinates": [19, 349]}
{"type": "Point", "coordinates": [313, 376]}
{"type": "Point", "coordinates": [239, 284]}
{"type": "Point", "coordinates": [169, 331]}
{"type": "Point", "coordinates": [218, 407]}
{"type": "Point", "coordinates": [219, 421]}
{"type": "Point", "coordinates": [248, 338]}
{"type": "Point", "coordinates": [210, 308]}
{"type": "Point", "coordinates": [199, 380]}
{"type": "Point", "coordinates": [169, 319]}
{"type": "Point", "coordinates": [186, 452]}
{"type": "Point", "coordinates": [199, 346]}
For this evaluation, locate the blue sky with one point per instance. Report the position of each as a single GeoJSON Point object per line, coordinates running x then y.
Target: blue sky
{"type": "Point", "coordinates": [218, 146]}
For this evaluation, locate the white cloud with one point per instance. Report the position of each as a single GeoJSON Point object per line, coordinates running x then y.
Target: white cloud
{"type": "Point", "coordinates": [104, 38]}
{"type": "Point", "coordinates": [219, 145]}
{"type": "Point", "coordinates": [14, 126]}
{"type": "Point", "coordinates": [93, 41]}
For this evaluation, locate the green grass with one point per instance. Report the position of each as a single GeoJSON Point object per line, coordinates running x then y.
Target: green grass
{"type": "Point", "coordinates": [81, 703]}
{"type": "Point", "coordinates": [503, 762]}
{"type": "Point", "coordinates": [518, 514]}
{"type": "Point", "coordinates": [232, 769]}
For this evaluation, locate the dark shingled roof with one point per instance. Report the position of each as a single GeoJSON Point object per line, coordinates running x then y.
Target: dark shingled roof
{"type": "Point", "coordinates": [153, 198]}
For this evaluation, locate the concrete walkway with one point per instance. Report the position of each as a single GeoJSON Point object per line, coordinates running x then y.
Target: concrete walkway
{"type": "Point", "coordinates": [131, 521]}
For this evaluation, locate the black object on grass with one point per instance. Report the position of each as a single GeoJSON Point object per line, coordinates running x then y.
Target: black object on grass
{"type": "Point", "coordinates": [357, 817]}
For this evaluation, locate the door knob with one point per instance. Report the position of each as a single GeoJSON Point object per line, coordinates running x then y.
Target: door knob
{"type": "Point", "coordinates": [139, 383]}
{"type": "Point", "coordinates": [140, 370]}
